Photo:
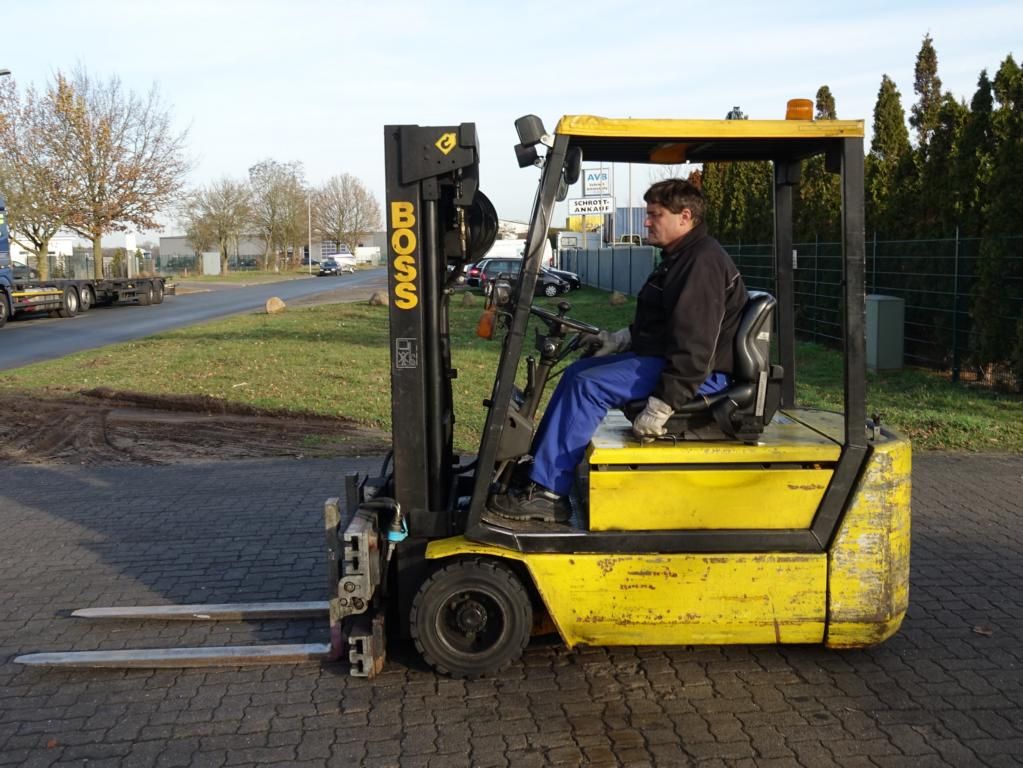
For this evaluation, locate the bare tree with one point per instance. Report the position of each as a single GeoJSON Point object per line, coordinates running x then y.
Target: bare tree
{"type": "Point", "coordinates": [32, 175]}
{"type": "Point", "coordinates": [277, 201]}
{"type": "Point", "coordinates": [218, 215]}
{"type": "Point", "coordinates": [345, 211]}
{"type": "Point", "coordinates": [125, 162]}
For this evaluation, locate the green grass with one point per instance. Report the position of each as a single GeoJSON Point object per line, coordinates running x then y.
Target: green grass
{"type": "Point", "coordinates": [333, 360]}
{"type": "Point", "coordinates": [248, 276]}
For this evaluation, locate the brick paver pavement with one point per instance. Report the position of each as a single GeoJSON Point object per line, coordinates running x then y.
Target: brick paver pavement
{"type": "Point", "coordinates": [947, 690]}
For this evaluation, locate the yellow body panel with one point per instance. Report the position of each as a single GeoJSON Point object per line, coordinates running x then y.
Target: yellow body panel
{"type": "Point", "coordinates": [683, 599]}
{"type": "Point", "coordinates": [853, 595]}
{"type": "Point", "coordinates": [728, 498]}
{"type": "Point", "coordinates": [633, 128]}
{"type": "Point", "coordinates": [784, 440]}
{"type": "Point", "coordinates": [868, 568]}
{"type": "Point", "coordinates": [712, 484]}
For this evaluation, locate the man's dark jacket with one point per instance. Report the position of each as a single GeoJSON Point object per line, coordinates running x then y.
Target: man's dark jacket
{"type": "Point", "coordinates": [687, 312]}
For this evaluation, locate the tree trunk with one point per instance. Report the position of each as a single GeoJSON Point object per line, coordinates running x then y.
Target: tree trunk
{"type": "Point", "coordinates": [97, 257]}
{"type": "Point", "coordinates": [43, 255]}
{"type": "Point", "coordinates": [223, 258]}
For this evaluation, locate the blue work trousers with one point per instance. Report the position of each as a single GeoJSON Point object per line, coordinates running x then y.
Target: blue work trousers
{"type": "Point", "coordinates": [588, 389]}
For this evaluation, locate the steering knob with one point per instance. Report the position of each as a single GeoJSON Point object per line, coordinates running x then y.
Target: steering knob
{"type": "Point", "coordinates": [564, 308]}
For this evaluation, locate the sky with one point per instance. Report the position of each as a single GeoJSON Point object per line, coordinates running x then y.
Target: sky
{"type": "Point", "coordinates": [316, 81]}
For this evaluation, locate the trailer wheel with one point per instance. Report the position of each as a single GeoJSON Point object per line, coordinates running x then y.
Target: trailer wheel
{"type": "Point", "coordinates": [4, 309]}
{"type": "Point", "coordinates": [86, 299]}
{"type": "Point", "coordinates": [68, 303]}
{"type": "Point", "coordinates": [471, 618]}
{"type": "Point", "coordinates": [157, 292]}
{"type": "Point", "coordinates": [145, 294]}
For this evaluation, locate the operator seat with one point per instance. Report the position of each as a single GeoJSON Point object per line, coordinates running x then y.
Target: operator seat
{"type": "Point", "coordinates": [742, 410]}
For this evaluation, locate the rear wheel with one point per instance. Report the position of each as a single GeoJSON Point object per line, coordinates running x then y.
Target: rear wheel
{"type": "Point", "coordinates": [68, 303]}
{"type": "Point", "coordinates": [86, 299]}
{"type": "Point", "coordinates": [4, 309]}
{"type": "Point", "coordinates": [471, 618]}
{"type": "Point", "coordinates": [157, 292]}
{"type": "Point", "coordinates": [145, 294]}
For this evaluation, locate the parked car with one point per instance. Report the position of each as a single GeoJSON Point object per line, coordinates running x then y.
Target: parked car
{"type": "Point", "coordinates": [329, 266]}
{"type": "Point", "coordinates": [574, 283]}
{"type": "Point", "coordinates": [23, 271]}
{"type": "Point", "coordinates": [548, 283]}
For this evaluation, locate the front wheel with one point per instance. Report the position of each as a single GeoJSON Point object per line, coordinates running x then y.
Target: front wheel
{"type": "Point", "coordinates": [550, 290]}
{"type": "Point", "coordinates": [4, 309]}
{"type": "Point", "coordinates": [471, 618]}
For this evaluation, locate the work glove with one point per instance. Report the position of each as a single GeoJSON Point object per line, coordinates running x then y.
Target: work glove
{"type": "Point", "coordinates": [650, 423]}
{"type": "Point", "coordinates": [609, 342]}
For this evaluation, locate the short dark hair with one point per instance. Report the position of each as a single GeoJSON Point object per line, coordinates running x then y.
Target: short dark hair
{"type": "Point", "coordinates": [676, 194]}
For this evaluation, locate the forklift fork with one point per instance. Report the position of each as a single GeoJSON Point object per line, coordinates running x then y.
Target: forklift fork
{"type": "Point", "coordinates": [356, 565]}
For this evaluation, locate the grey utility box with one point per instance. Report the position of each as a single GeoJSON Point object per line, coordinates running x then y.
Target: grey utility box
{"type": "Point", "coordinates": [886, 316]}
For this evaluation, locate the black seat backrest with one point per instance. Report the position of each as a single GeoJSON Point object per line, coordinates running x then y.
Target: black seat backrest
{"type": "Point", "coordinates": [752, 353]}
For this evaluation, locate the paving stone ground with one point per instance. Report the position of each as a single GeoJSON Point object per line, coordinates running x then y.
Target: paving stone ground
{"type": "Point", "coordinates": [946, 691]}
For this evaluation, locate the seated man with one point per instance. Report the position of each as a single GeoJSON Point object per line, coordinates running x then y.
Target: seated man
{"type": "Point", "coordinates": [679, 346]}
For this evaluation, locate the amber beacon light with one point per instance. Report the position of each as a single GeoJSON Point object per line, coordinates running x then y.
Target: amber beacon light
{"type": "Point", "coordinates": [799, 109]}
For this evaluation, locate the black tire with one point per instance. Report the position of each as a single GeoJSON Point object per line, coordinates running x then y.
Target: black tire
{"type": "Point", "coordinates": [4, 309]}
{"type": "Point", "coordinates": [471, 618]}
{"type": "Point", "coordinates": [157, 292]}
{"type": "Point", "coordinates": [145, 294]}
{"type": "Point", "coordinates": [68, 303]}
{"type": "Point", "coordinates": [86, 298]}
{"type": "Point", "coordinates": [550, 290]}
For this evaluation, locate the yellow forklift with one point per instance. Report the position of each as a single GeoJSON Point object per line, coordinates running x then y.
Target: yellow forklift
{"type": "Point", "coordinates": [753, 521]}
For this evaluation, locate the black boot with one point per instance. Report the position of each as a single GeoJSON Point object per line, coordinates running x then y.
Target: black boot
{"type": "Point", "coordinates": [533, 503]}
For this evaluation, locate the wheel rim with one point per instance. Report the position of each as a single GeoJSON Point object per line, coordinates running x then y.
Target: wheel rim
{"type": "Point", "coordinates": [472, 622]}
{"type": "Point", "coordinates": [71, 301]}
{"type": "Point", "coordinates": [551, 290]}
{"type": "Point", "coordinates": [86, 298]}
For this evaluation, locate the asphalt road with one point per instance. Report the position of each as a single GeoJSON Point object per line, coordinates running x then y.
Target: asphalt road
{"type": "Point", "coordinates": [38, 339]}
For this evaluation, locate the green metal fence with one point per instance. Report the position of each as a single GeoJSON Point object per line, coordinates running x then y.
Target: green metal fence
{"type": "Point", "coordinates": [939, 281]}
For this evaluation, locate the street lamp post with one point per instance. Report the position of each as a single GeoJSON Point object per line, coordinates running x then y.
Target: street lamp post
{"type": "Point", "coordinates": [309, 211]}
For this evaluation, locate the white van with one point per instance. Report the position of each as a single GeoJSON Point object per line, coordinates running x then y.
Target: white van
{"type": "Point", "coordinates": [510, 249]}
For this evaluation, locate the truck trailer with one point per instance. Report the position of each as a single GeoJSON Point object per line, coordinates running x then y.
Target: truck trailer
{"type": "Point", "coordinates": [20, 293]}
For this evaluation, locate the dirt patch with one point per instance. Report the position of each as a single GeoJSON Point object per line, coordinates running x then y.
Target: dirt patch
{"type": "Point", "coordinates": [102, 426]}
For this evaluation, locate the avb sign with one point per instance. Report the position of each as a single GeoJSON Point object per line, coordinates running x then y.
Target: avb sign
{"type": "Point", "coordinates": [596, 182]}
{"type": "Point", "coordinates": [586, 206]}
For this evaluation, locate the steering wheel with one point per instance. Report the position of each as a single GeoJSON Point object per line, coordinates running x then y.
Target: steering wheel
{"type": "Point", "coordinates": [582, 329]}
{"type": "Point", "coordinates": [552, 319]}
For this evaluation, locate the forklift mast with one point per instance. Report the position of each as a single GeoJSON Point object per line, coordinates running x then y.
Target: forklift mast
{"type": "Point", "coordinates": [437, 221]}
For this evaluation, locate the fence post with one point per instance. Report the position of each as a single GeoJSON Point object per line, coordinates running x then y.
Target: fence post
{"type": "Point", "coordinates": [816, 285]}
{"type": "Point", "coordinates": [613, 268]}
{"type": "Point", "coordinates": [873, 264]}
{"type": "Point", "coordinates": [955, 311]}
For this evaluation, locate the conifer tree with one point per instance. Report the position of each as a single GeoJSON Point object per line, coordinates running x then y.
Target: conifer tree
{"type": "Point", "coordinates": [889, 158]}
{"type": "Point", "coordinates": [927, 86]}
{"type": "Point", "coordinates": [998, 292]}
{"type": "Point", "coordinates": [976, 158]}
{"type": "Point", "coordinates": [941, 191]}
{"type": "Point", "coordinates": [820, 197]}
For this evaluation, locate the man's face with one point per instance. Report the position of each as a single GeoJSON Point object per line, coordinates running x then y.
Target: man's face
{"type": "Point", "coordinates": [665, 227]}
